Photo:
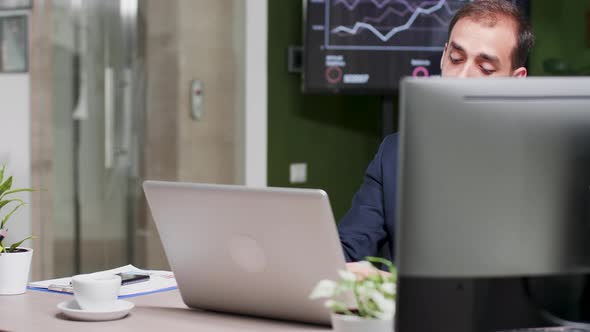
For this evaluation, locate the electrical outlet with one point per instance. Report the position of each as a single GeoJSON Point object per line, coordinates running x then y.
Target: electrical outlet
{"type": "Point", "coordinates": [298, 173]}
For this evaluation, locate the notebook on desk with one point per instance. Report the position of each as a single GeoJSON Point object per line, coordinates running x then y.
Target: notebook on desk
{"type": "Point", "coordinates": [159, 281]}
{"type": "Point", "coordinates": [248, 251]}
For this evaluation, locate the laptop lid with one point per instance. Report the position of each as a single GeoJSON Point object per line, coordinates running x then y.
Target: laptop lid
{"type": "Point", "coordinates": [253, 251]}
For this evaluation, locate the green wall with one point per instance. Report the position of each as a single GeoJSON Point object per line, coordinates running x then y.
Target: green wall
{"type": "Point", "coordinates": [561, 32]}
{"type": "Point", "coordinates": [336, 136]}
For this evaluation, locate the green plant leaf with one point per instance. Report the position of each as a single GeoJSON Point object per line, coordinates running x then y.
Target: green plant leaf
{"type": "Point", "coordinates": [17, 244]}
{"type": "Point", "coordinates": [360, 305]}
{"type": "Point", "coordinates": [5, 186]}
{"type": "Point", "coordinates": [388, 263]}
{"type": "Point", "coordinates": [5, 219]}
{"type": "Point", "coordinates": [2, 203]}
{"type": "Point", "coordinates": [16, 191]}
{"type": "Point", "coordinates": [2, 173]}
{"type": "Point", "coordinates": [338, 307]}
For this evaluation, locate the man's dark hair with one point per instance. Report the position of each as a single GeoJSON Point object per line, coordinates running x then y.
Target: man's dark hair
{"type": "Point", "coordinates": [489, 11]}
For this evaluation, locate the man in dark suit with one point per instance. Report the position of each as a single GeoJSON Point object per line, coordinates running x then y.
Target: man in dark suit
{"type": "Point", "coordinates": [487, 38]}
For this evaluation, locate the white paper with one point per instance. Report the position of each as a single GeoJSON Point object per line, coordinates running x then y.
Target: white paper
{"type": "Point", "coordinates": [159, 280]}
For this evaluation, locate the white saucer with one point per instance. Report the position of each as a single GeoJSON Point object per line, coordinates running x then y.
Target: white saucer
{"type": "Point", "coordinates": [72, 310]}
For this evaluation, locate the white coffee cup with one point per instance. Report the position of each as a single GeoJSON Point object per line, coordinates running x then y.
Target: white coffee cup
{"type": "Point", "coordinates": [96, 292]}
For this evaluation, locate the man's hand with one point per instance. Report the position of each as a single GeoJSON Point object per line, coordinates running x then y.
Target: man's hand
{"type": "Point", "coordinates": [361, 270]}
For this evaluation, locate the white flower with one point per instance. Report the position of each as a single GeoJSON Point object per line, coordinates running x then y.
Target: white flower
{"type": "Point", "coordinates": [389, 288]}
{"type": "Point", "coordinates": [329, 304]}
{"type": "Point", "coordinates": [362, 290]}
{"type": "Point", "coordinates": [386, 306]}
{"type": "Point", "coordinates": [324, 288]}
{"type": "Point", "coordinates": [366, 265]}
{"type": "Point", "coordinates": [335, 306]}
{"type": "Point", "coordinates": [386, 315]}
{"type": "Point", "coordinates": [347, 275]}
{"type": "Point", "coordinates": [370, 284]}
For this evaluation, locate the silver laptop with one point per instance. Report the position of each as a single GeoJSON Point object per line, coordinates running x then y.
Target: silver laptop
{"type": "Point", "coordinates": [248, 251]}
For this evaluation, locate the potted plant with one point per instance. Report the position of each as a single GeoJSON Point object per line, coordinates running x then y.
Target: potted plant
{"type": "Point", "coordinates": [374, 298]}
{"type": "Point", "coordinates": [15, 261]}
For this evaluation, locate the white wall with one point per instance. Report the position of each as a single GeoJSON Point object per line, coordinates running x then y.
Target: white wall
{"type": "Point", "coordinates": [15, 147]}
{"type": "Point", "coordinates": [255, 135]}
{"type": "Point", "coordinates": [15, 142]}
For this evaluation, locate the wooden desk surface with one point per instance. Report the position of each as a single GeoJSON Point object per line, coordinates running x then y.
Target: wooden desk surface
{"type": "Point", "coordinates": [37, 311]}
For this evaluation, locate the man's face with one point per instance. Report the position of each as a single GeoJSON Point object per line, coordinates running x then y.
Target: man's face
{"type": "Point", "coordinates": [476, 49]}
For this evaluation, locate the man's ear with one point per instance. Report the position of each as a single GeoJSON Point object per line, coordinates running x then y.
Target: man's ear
{"type": "Point", "coordinates": [443, 55]}
{"type": "Point", "coordinates": [520, 72]}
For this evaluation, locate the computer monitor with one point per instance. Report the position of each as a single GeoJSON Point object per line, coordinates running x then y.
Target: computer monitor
{"type": "Point", "coordinates": [494, 202]}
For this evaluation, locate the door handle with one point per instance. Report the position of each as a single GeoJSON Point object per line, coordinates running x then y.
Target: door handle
{"type": "Point", "coordinates": [109, 113]}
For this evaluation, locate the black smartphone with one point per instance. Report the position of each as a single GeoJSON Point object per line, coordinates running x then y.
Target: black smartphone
{"type": "Point", "coordinates": [130, 278]}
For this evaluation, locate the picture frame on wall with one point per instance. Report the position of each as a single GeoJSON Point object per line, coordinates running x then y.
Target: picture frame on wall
{"type": "Point", "coordinates": [15, 4]}
{"type": "Point", "coordinates": [14, 44]}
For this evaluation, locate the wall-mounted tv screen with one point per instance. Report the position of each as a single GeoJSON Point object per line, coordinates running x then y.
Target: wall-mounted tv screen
{"type": "Point", "coordinates": [366, 46]}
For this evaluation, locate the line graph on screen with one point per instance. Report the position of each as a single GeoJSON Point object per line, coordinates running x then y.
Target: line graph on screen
{"type": "Point", "coordinates": [388, 25]}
